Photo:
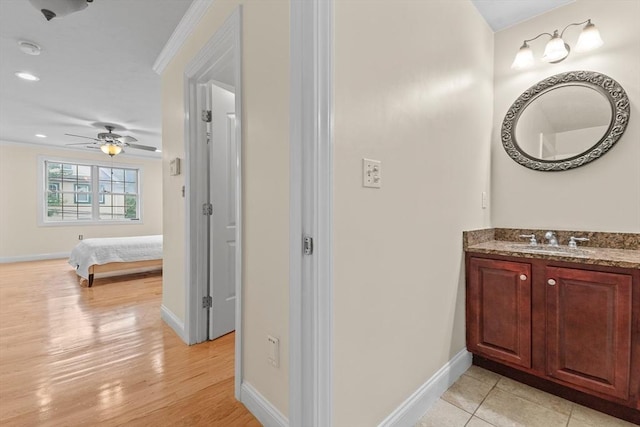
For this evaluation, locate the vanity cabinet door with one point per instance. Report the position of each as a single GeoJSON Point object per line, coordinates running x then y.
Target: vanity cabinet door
{"type": "Point", "coordinates": [499, 310]}
{"type": "Point", "coordinates": [589, 329]}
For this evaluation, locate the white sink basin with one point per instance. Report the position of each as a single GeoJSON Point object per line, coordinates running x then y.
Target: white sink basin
{"type": "Point", "coordinates": [552, 250]}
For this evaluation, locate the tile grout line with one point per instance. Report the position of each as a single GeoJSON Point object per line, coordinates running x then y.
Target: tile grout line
{"type": "Point", "coordinates": [483, 399]}
{"type": "Point", "coordinates": [570, 415]}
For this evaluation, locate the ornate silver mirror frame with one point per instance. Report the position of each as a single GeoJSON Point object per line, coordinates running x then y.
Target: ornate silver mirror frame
{"type": "Point", "coordinates": [611, 89]}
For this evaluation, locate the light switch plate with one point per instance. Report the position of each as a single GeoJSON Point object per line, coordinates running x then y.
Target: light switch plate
{"type": "Point", "coordinates": [174, 167]}
{"type": "Point", "coordinates": [371, 173]}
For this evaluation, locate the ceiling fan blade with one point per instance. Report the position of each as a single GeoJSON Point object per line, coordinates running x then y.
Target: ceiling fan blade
{"type": "Point", "coordinates": [80, 136]}
{"type": "Point", "coordinates": [82, 143]}
{"type": "Point", "coordinates": [126, 139]}
{"type": "Point", "coordinates": [141, 147]}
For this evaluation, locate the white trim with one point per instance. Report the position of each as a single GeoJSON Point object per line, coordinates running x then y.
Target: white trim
{"type": "Point", "coordinates": [411, 410]}
{"type": "Point", "coordinates": [237, 48]}
{"type": "Point", "coordinates": [216, 52]}
{"type": "Point", "coordinates": [174, 322]}
{"type": "Point", "coordinates": [36, 257]}
{"type": "Point", "coordinates": [183, 30]}
{"type": "Point", "coordinates": [311, 208]}
{"type": "Point", "coordinates": [261, 408]}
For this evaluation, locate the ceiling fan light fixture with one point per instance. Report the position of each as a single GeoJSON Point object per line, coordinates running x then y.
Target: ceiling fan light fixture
{"type": "Point", "coordinates": [111, 149]}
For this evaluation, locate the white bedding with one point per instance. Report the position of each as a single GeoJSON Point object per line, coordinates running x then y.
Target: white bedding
{"type": "Point", "coordinates": [100, 251]}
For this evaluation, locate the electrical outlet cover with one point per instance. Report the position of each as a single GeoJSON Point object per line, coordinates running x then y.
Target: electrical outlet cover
{"type": "Point", "coordinates": [273, 352]}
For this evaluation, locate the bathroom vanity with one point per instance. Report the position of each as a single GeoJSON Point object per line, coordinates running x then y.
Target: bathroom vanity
{"type": "Point", "coordinates": [565, 320]}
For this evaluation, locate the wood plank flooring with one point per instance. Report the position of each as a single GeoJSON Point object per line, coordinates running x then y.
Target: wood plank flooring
{"type": "Point", "coordinates": [77, 356]}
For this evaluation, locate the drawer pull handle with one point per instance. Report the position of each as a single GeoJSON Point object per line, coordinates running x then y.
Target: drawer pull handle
{"type": "Point", "coordinates": [551, 282]}
{"type": "Point", "coordinates": [523, 277]}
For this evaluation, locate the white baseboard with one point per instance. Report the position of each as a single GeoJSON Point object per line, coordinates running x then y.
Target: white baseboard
{"type": "Point", "coordinates": [38, 257]}
{"type": "Point", "coordinates": [261, 408]}
{"type": "Point", "coordinates": [412, 409]}
{"type": "Point", "coordinates": [174, 322]}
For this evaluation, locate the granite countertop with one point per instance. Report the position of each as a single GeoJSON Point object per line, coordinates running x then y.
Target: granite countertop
{"type": "Point", "coordinates": [624, 251]}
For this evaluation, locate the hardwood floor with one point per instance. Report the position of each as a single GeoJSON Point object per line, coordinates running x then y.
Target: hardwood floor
{"type": "Point", "coordinates": [77, 356]}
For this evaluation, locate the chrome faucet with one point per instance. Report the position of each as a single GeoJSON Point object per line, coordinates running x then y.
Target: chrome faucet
{"type": "Point", "coordinates": [573, 240]}
{"type": "Point", "coordinates": [551, 238]}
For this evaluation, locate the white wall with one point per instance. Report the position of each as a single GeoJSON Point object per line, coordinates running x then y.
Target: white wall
{"type": "Point", "coordinates": [603, 195]}
{"type": "Point", "coordinates": [265, 121]}
{"type": "Point", "coordinates": [413, 88]}
{"type": "Point", "coordinates": [22, 238]}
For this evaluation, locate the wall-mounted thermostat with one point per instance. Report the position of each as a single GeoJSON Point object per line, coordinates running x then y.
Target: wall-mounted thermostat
{"type": "Point", "coordinates": [174, 167]}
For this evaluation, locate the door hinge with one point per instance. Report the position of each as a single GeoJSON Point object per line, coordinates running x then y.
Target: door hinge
{"type": "Point", "coordinates": [207, 302]}
{"type": "Point", "coordinates": [307, 245]}
{"type": "Point", "coordinates": [206, 116]}
{"type": "Point", "coordinates": [207, 209]}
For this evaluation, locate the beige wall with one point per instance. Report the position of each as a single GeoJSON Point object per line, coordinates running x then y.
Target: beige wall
{"type": "Point", "coordinates": [603, 195]}
{"type": "Point", "coordinates": [413, 88]}
{"type": "Point", "coordinates": [265, 127]}
{"type": "Point", "coordinates": [20, 235]}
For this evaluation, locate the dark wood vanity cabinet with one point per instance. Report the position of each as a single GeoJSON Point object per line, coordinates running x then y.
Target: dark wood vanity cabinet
{"type": "Point", "coordinates": [569, 324]}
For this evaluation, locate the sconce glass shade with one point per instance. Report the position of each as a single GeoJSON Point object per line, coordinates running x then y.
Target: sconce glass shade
{"type": "Point", "coordinates": [111, 149]}
{"type": "Point", "coordinates": [524, 58]}
{"type": "Point", "coordinates": [589, 38]}
{"type": "Point", "coordinates": [555, 50]}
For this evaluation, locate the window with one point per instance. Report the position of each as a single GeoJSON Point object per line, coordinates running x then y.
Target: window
{"type": "Point", "coordinates": [81, 193]}
{"type": "Point", "coordinates": [77, 192]}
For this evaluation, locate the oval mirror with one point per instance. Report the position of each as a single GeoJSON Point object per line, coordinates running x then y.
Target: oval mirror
{"type": "Point", "coordinates": [565, 121]}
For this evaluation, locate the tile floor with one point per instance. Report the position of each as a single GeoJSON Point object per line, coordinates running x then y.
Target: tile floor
{"type": "Point", "coordinates": [481, 398]}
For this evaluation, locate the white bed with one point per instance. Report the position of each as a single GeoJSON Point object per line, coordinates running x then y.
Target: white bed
{"type": "Point", "coordinates": [91, 256]}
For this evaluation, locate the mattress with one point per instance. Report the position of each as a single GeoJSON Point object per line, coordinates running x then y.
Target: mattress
{"type": "Point", "coordinates": [100, 251]}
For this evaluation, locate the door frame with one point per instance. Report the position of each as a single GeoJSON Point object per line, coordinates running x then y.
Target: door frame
{"type": "Point", "coordinates": [200, 70]}
{"type": "Point", "coordinates": [311, 213]}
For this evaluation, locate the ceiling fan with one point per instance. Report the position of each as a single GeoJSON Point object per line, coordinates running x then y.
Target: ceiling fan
{"type": "Point", "coordinates": [111, 143]}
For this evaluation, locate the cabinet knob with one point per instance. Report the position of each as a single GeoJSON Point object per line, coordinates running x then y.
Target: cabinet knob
{"type": "Point", "coordinates": [552, 282]}
{"type": "Point", "coordinates": [523, 277]}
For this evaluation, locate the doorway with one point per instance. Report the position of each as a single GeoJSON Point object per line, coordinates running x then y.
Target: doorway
{"type": "Point", "coordinates": [213, 191]}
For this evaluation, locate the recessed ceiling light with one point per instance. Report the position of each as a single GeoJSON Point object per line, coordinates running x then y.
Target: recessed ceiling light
{"type": "Point", "coordinates": [27, 76]}
{"type": "Point", "coordinates": [158, 150]}
{"type": "Point", "coordinates": [40, 135]}
{"type": "Point", "coordinates": [30, 48]}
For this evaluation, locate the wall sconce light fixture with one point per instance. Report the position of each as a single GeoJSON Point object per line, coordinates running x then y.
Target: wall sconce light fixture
{"type": "Point", "coordinates": [556, 49]}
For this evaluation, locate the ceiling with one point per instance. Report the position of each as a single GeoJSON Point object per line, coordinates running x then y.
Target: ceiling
{"type": "Point", "coordinates": [501, 14]}
{"type": "Point", "coordinates": [95, 68]}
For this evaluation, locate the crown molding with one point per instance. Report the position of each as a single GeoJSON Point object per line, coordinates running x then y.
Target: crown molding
{"type": "Point", "coordinates": [182, 32]}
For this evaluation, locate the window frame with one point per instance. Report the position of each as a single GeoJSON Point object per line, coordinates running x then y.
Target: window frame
{"type": "Point", "coordinates": [94, 202]}
{"type": "Point", "coordinates": [86, 195]}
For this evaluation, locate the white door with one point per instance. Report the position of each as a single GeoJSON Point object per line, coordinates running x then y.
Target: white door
{"type": "Point", "coordinates": [222, 192]}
